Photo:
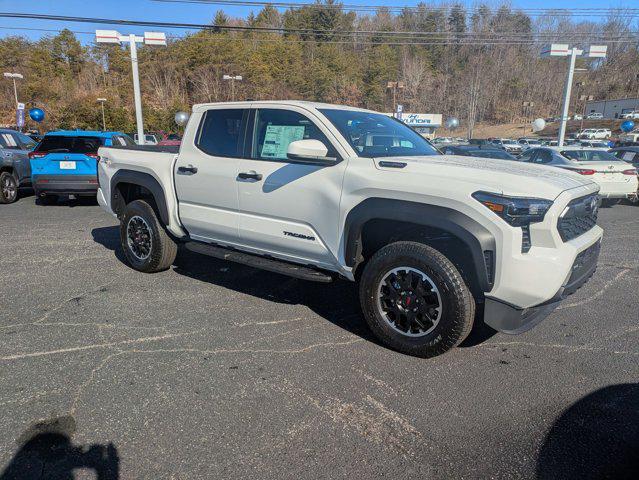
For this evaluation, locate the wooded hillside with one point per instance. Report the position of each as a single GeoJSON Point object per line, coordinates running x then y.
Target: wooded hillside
{"type": "Point", "coordinates": [476, 65]}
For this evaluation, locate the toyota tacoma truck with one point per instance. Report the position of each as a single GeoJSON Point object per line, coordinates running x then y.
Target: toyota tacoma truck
{"type": "Point", "coordinates": [321, 192]}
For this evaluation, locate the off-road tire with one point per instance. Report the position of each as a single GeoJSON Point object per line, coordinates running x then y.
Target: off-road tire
{"type": "Point", "coordinates": [458, 305]}
{"type": "Point", "coordinates": [163, 248]}
{"type": "Point", "coordinates": [8, 180]}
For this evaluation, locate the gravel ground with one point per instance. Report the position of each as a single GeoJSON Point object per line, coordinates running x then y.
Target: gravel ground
{"type": "Point", "coordinates": [216, 370]}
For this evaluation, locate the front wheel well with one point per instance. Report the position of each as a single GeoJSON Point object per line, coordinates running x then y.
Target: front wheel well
{"type": "Point", "coordinates": [377, 233]}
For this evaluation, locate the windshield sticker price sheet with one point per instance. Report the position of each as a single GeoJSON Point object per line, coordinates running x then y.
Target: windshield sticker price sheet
{"type": "Point", "coordinates": [277, 139]}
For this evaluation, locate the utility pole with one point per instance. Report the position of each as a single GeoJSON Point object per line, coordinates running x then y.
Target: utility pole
{"type": "Point", "coordinates": [585, 99]}
{"type": "Point", "coordinates": [232, 79]}
{"type": "Point", "coordinates": [149, 38]}
{"type": "Point", "coordinates": [563, 50]}
{"type": "Point", "coordinates": [394, 86]}
{"type": "Point", "coordinates": [527, 111]}
{"type": "Point", "coordinates": [102, 100]}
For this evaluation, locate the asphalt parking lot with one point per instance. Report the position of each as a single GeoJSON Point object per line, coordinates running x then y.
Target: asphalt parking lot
{"type": "Point", "coordinates": [216, 370]}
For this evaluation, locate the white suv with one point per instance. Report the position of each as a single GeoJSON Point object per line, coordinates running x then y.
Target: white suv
{"type": "Point", "coordinates": [595, 133]}
{"type": "Point", "coordinates": [319, 192]}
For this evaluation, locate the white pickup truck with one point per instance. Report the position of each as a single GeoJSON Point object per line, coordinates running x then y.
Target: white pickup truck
{"type": "Point", "coordinates": [321, 192]}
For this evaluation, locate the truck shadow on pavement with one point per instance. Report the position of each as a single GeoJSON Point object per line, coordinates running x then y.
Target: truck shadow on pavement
{"type": "Point", "coordinates": [337, 302]}
{"type": "Point", "coordinates": [46, 452]}
{"type": "Point", "coordinates": [595, 438]}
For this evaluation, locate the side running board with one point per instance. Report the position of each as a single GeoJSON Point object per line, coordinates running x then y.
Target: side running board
{"type": "Point", "coordinates": [270, 264]}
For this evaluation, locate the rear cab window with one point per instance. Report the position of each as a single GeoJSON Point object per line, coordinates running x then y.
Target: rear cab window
{"type": "Point", "coordinates": [69, 144]}
{"type": "Point", "coordinates": [221, 132]}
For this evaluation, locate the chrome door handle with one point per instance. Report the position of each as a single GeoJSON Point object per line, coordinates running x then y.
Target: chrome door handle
{"type": "Point", "coordinates": [251, 174]}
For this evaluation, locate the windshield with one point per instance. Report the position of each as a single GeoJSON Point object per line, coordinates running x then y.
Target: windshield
{"type": "Point", "coordinates": [70, 144]}
{"type": "Point", "coordinates": [508, 142]}
{"type": "Point", "coordinates": [378, 135]}
{"type": "Point", "coordinates": [590, 156]}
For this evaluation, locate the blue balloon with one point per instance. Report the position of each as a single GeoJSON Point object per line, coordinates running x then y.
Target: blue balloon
{"type": "Point", "coordinates": [627, 126]}
{"type": "Point", "coordinates": [36, 114]}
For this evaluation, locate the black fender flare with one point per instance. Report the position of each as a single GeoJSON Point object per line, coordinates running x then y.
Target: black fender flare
{"type": "Point", "coordinates": [478, 239]}
{"type": "Point", "coordinates": [145, 180]}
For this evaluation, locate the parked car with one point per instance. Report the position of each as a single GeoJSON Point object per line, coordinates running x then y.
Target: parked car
{"type": "Point", "coordinates": [65, 162]}
{"type": "Point", "coordinates": [630, 115]}
{"type": "Point", "coordinates": [479, 141]}
{"type": "Point", "coordinates": [594, 116]}
{"type": "Point", "coordinates": [630, 155]}
{"type": "Point", "coordinates": [320, 191]}
{"type": "Point", "coordinates": [595, 133]}
{"type": "Point", "coordinates": [36, 137]}
{"type": "Point", "coordinates": [577, 116]}
{"type": "Point", "coordinates": [615, 177]}
{"type": "Point", "coordinates": [172, 139]}
{"type": "Point", "coordinates": [442, 141]}
{"type": "Point", "coordinates": [630, 137]}
{"type": "Point", "coordinates": [149, 139]}
{"type": "Point", "coordinates": [15, 171]}
{"type": "Point", "coordinates": [508, 144]}
{"type": "Point", "coordinates": [594, 144]}
{"type": "Point", "coordinates": [529, 142]}
{"type": "Point", "coordinates": [484, 151]}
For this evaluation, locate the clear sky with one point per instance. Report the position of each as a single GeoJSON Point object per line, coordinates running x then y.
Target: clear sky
{"type": "Point", "coordinates": [201, 13]}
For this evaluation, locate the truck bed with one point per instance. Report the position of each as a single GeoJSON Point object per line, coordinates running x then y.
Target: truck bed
{"type": "Point", "coordinates": [149, 148]}
{"type": "Point", "coordinates": [151, 160]}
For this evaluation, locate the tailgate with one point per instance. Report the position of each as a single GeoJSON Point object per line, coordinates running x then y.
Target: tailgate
{"type": "Point", "coordinates": [64, 164]}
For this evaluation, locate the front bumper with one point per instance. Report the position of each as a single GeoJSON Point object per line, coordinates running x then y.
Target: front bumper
{"type": "Point", "coordinates": [514, 320]}
{"type": "Point", "coordinates": [65, 184]}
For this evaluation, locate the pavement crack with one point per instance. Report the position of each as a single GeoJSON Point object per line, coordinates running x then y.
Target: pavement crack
{"type": "Point", "coordinates": [599, 293]}
{"type": "Point", "coordinates": [20, 356]}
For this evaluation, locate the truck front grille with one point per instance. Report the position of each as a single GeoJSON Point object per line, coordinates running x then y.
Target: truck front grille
{"type": "Point", "coordinates": [579, 216]}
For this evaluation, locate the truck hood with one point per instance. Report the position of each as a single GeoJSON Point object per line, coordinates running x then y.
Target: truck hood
{"type": "Point", "coordinates": [499, 176]}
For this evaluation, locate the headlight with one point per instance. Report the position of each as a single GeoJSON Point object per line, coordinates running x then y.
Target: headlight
{"type": "Point", "coordinates": [517, 211]}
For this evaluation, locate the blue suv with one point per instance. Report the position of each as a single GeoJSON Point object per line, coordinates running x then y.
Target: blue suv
{"type": "Point", "coordinates": [65, 162]}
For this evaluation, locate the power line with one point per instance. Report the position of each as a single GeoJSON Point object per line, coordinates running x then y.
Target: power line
{"type": "Point", "coordinates": [559, 12]}
{"type": "Point", "coordinates": [526, 38]}
{"type": "Point", "coordinates": [448, 42]}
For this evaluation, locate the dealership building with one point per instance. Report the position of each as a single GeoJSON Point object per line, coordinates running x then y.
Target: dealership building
{"type": "Point", "coordinates": [613, 108]}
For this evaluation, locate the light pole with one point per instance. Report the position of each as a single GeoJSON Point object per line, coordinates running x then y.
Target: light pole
{"type": "Point", "coordinates": [19, 106]}
{"type": "Point", "coordinates": [563, 50]}
{"type": "Point", "coordinates": [232, 79]}
{"type": "Point", "coordinates": [13, 77]}
{"type": "Point", "coordinates": [149, 38]}
{"type": "Point", "coordinates": [102, 100]}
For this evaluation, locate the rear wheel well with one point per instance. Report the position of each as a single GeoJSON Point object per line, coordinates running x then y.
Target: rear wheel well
{"type": "Point", "coordinates": [6, 169]}
{"type": "Point", "coordinates": [126, 193]}
{"type": "Point", "coordinates": [377, 233]}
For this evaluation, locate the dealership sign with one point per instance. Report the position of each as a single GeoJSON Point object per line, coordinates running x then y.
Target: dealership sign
{"type": "Point", "coordinates": [422, 119]}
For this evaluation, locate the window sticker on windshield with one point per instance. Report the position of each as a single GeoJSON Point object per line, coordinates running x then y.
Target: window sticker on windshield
{"type": "Point", "coordinates": [277, 139]}
{"type": "Point", "coordinates": [9, 140]}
